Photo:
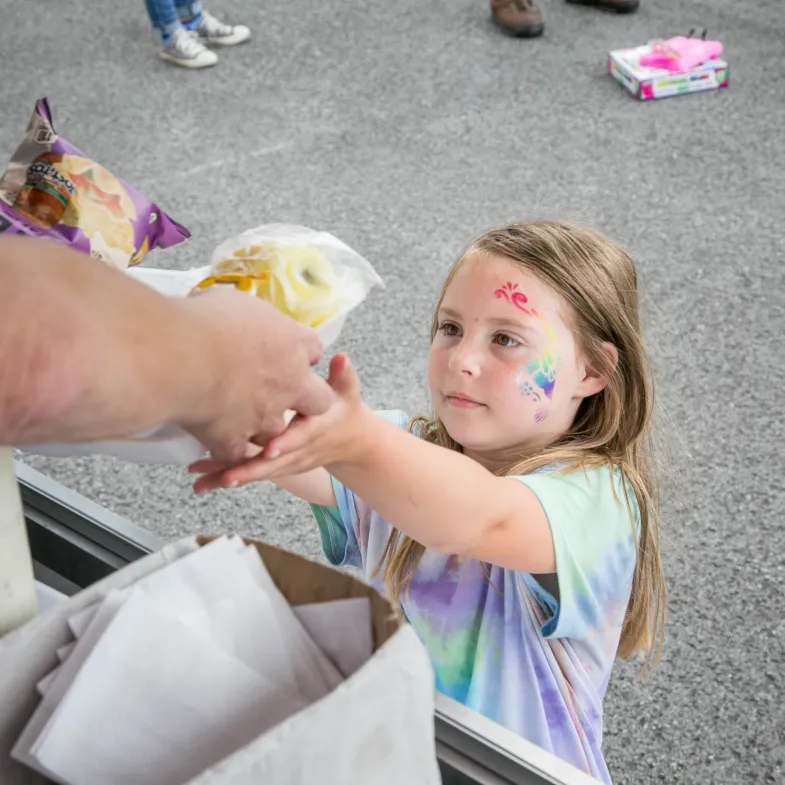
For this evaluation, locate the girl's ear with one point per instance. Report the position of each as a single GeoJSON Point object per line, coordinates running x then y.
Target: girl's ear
{"type": "Point", "coordinates": [593, 381]}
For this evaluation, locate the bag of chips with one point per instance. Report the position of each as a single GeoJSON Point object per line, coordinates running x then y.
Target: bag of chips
{"type": "Point", "coordinates": [51, 189]}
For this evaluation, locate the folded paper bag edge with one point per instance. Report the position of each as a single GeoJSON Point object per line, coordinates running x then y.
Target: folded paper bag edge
{"type": "Point", "coordinates": [285, 569]}
{"type": "Point", "coordinates": [28, 653]}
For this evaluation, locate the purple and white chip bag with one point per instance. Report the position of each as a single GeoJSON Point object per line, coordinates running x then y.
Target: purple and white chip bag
{"type": "Point", "coordinates": [51, 189]}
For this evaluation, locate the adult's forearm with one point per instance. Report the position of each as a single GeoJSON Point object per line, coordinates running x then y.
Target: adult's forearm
{"type": "Point", "coordinates": [88, 353]}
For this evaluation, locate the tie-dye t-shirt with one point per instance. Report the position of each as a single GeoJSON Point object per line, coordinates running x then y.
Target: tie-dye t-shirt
{"type": "Point", "coordinates": [502, 644]}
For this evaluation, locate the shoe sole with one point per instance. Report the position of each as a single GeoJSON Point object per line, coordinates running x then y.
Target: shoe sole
{"type": "Point", "coordinates": [216, 42]}
{"type": "Point", "coordinates": [618, 9]}
{"type": "Point", "coordinates": [219, 42]}
{"type": "Point", "coordinates": [530, 31]}
{"type": "Point", "coordinates": [193, 66]}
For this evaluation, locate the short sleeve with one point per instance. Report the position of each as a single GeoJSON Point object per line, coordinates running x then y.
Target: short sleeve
{"type": "Point", "coordinates": [595, 546]}
{"type": "Point", "coordinates": [343, 528]}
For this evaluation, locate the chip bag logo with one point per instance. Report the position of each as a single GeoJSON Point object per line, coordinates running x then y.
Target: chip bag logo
{"type": "Point", "coordinates": [46, 194]}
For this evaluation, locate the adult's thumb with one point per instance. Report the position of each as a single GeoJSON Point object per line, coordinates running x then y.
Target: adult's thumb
{"type": "Point", "coordinates": [316, 398]}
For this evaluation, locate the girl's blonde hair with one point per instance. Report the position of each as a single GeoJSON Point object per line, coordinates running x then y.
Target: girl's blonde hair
{"type": "Point", "coordinates": [597, 279]}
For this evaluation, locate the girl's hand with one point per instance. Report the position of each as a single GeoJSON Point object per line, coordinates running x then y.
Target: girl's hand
{"type": "Point", "coordinates": [308, 442]}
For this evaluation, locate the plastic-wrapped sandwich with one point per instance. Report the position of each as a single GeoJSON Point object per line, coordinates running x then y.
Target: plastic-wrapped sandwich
{"type": "Point", "coordinates": [296, 278]}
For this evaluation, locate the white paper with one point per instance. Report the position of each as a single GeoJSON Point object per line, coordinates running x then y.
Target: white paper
{"type": "Point", "coordinates": [341, 629]}
{"type": "Point", "coordinates": [219, 585]}
{"type": "Point", "coordinates": [184, 667]}
{"type": "Point", "coordinates": [387, 704]}
{"type": "Point", "coordinates": [316, 674]}
{"type": "Point", "coordinates": [62, 653]}
{"type": "Point", "coordinates": [43, 685]}
{"type": "Point", "coordinates": [157, 707]}
{"type": "Point", "coordinates": [64, 676]}
{"type": "Point", "coordinates": [189, 564]}
{"type": "Point", "coordinates": [18, 601]}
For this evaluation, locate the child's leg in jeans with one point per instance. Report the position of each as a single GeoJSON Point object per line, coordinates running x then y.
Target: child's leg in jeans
{"type": "Point", "coordinates": [164, 17]}
{"type": "Point", "coordinates": [190, 14]}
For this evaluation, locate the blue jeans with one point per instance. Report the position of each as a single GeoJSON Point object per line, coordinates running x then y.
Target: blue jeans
{"type": "Point", "coordinates": [170, 15]}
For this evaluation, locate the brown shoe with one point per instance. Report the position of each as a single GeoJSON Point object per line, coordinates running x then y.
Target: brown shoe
{"type": "Point", "coordinates": [619, 6]}
{"type": "Point", "coordinates": [518, 17]}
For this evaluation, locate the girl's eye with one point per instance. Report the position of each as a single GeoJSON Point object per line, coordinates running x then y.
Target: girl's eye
{"type": "Point", "coordinates": [448, 328]}
{"type": "Point", "coordinates": [502, 339]}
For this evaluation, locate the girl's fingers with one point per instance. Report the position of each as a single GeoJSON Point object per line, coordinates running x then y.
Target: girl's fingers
{"type": "Point", "coordinates": [210, 465]}
{"type": "Point", "coordinates": [289, 465]}
{"type": "Point", "coordinates": [227, 478]}
{"type": "Point", "coordinates": [268, 469]}
{"type": "Point", "coordinates": [209, 482]}
{"type": "Point", "coordinates": [295, 437]}
{"type": "Point", "coordinates": [253, 471]}
{"type": "Point", "coordinates": [207, 466]}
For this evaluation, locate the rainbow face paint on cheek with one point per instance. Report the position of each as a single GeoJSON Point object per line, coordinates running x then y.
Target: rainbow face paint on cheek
{"type": "Point", "coordinates": [527, 389]}
{"type": "Point", "coordinates": [544, 367]}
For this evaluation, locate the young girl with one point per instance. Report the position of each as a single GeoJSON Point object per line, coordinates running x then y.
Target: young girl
{"type": "Point", "coordinates": [516, 528]}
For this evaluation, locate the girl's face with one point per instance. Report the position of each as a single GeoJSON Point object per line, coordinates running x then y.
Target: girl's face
{"type": "Point", "coordinates": [504, 371]}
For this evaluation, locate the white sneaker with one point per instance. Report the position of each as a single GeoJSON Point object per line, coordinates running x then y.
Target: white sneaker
{"type": "Point", "coordinates": [187, 51]}
{"type": "Point", "coordinates": [214, 32]}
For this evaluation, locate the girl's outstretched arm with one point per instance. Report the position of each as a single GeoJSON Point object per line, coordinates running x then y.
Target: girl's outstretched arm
{"type": "Point", "coordinates": [314, 486]}
{"type": "Point", "coordinates": [444, 500]}
{"type": "Point", "coordinates": [440, 498]}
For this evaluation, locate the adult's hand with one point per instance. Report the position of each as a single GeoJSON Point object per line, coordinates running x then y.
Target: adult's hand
{"type": "Point", "coordinates": [87, 353]}
{"type": "Point", "coordinates": [259, 366]}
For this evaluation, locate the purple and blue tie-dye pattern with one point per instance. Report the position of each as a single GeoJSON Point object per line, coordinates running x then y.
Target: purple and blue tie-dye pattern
{"type": "Point", "coordinates": [500, 643]}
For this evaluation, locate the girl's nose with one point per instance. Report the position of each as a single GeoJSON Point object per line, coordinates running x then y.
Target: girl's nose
{"type": "Point", "coordinates": [465, 359]}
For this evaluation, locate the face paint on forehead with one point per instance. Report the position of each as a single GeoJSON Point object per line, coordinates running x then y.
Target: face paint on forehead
{"type": "Point", "coordinates": [543, 368]}
{"type": "Point", "coordinates": [509, 292]}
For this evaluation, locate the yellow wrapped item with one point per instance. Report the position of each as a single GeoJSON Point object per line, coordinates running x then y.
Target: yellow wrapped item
{"type": "Point", "coordinates": [297, 279]}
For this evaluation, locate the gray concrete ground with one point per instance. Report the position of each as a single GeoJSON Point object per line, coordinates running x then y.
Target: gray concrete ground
{"type": "Point", "coordinates": [406, 128]}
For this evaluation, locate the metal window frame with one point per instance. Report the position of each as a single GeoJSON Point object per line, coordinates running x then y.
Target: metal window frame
{"type": "Point", "coordinates": [75, 542]}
